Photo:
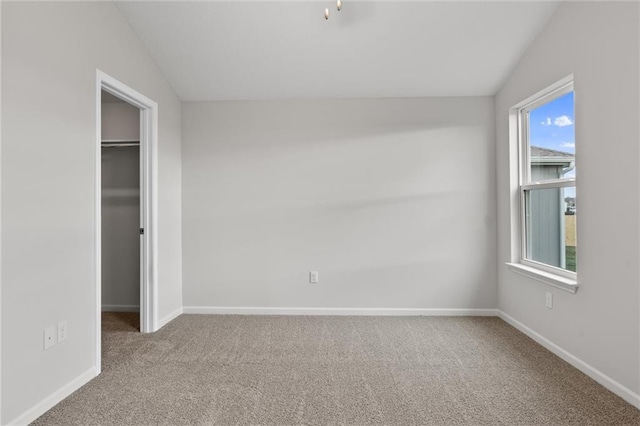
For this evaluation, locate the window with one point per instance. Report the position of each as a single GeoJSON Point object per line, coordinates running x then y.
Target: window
{"type": "Point", "coordinates": [547, 182]}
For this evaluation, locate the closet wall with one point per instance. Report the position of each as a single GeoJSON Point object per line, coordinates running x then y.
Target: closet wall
{"type": "Point", "coordinates": [120, 207]}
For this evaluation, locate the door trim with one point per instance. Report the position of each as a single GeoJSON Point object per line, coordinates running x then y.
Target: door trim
{"type": "Point", "coordinates": [149, 205]}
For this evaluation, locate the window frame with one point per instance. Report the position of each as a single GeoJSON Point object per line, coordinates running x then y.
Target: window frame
{"type": "Point", "coordinates": [555, 276]}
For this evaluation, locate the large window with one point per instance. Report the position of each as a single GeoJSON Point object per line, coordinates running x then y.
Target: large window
{"type": "Point", "coordinates": [547, 186]}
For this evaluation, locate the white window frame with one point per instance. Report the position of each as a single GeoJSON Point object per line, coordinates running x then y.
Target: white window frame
{"type": "Point", "coordinates": [557, 277]}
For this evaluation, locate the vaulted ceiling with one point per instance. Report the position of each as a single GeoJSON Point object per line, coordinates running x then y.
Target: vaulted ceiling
{"type": "Point", "coordinates": [230, 50]}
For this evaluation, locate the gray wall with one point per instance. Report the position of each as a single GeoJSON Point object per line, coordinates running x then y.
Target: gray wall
{"type": "Point", "coordinates": [600, 324]}
{"type": "Point", "coordinates": [50, 52]}
{"type": "Point", "coordinates": [120, 209]}
{"type": "Point", "coordinates": [120, 121]}
{"type": "Point", "coordinates": [392, 201]}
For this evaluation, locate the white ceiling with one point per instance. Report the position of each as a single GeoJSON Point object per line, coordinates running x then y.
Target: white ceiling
{"type": "Point", "coordinates": [286, 50]}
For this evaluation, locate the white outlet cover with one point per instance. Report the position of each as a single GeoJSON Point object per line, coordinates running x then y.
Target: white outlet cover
{"type": "Point", "coordinates": [313, 277]}
{"type": "Point", "coordinates": [62, 331]}
{"type": "Point", "coordinates": [49, 337]}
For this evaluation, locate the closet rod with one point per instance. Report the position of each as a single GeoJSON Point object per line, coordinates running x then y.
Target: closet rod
{"type": "Point", "coordinates": [119, 143]}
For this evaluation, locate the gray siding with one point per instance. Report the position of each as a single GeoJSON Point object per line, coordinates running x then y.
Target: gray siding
{"type": "Point", "coordinates": [545, 220]}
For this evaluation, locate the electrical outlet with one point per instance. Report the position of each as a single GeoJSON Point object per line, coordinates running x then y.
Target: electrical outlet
{"type": "Point", "coordinates": [49, 336]}
{"type": "Point", "coordinates": [313, 277]}
{"type": "Point", "coordinates": [549, 300]}
{"type": "Point", "coordinates": [62, 330]}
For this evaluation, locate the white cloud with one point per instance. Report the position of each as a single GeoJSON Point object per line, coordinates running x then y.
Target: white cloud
{"type": "Point", "coordinates": [547, 122]}
{"type": "Point", "coordinates": [562, 121]}
{"type": "Point", "coordinates": [568, 145]}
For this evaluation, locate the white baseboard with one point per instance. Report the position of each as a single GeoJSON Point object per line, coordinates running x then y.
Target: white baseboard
{"type": "Point", "coordinates": [53, 399]}
{"type": "Point", "coordinates": [243, 310]}
{"type": "Point", "coordinates": [625, 393]}
{"type": "Point", "coordinates": [166, 320]}
{"type": "Point", "coordinates": [120, 308]}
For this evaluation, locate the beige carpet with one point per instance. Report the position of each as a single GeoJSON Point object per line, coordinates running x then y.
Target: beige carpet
{"type": "Point", "coordinates": [287, 370]}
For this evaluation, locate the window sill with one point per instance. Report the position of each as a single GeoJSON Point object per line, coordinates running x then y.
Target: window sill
{"type": "Point", "coordinates": [563, 283]}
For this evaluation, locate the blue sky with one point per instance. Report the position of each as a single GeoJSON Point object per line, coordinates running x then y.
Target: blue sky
{"type": "Point", "coordinates": [551, 125]}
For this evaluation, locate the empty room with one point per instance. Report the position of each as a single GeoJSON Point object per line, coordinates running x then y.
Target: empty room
{"type": "Point", "coordinates": [320, 212]}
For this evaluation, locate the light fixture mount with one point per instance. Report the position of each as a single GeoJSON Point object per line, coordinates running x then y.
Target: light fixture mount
{"type": "Point", "coordinates": [338, 6]}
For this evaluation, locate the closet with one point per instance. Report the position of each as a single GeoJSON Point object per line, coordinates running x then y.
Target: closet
{"type": "Point", "coordinates": [120, 205]}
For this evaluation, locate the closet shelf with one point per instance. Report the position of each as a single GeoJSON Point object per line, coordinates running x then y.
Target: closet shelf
{"type": "Point", "coordinates": [120, 192]}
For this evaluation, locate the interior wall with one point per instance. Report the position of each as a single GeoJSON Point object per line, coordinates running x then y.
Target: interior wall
{"type": "Point", "coordinates": [392, 201]}
{"type": "Point", "coordinates": [599, 43]}
{"type": "Point", "coordinates": [120, 121]}
{"type": "Point", "coordinates": [120, 209]}
{"type": "Point", "coordinates": [50, 53]}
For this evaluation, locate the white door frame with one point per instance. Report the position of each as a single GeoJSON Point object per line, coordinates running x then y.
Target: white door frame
{"type": "Point", "coordinates": [148, 207]}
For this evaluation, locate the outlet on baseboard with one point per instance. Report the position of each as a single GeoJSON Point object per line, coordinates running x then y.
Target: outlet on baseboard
{"type": "Point", "coordinates": [313, 277]}
{"type": "Point", "coordinates": [549, 300]}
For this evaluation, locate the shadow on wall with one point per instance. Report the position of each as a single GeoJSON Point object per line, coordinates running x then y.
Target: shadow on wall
{"type": "Point", "coordinates": [388, 199]}
{"type": "Point", "coordinates": [300, 124]}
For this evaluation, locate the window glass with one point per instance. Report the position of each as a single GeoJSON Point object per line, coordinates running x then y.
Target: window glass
{"type": "Point", "coordinates": [548, 181]}
{"type": "Point", "coordinates": [552, 140]}
{"type": "Point", "coordinates": [550, 227]}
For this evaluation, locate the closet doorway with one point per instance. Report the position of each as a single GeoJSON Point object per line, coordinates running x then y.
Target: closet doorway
{"type": "Point", "coordinates": [126, 206]}
{"type": "Point", "coordinates": [121, 218]}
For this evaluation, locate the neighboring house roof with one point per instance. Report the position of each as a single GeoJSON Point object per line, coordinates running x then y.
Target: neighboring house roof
{"type": "Point", "coordinates": [542, 156]}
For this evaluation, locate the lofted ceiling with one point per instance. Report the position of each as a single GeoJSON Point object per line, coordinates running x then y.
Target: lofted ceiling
{"type": "Point", "coordinates": [233, 50]}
